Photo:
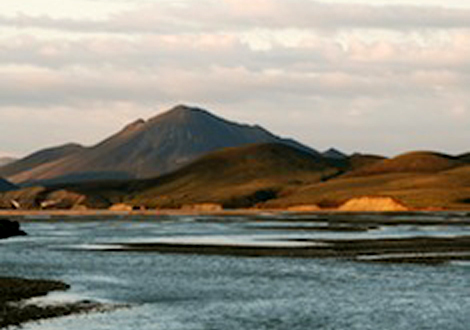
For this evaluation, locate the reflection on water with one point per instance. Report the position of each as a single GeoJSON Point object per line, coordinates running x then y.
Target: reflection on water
{"type": "Point", "coordinates": [217, 292]}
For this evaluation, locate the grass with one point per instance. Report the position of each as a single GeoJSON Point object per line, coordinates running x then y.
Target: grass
{"type": "Point", "coordinates": [278, 176]}
{"type": "Point", "coordinates": [236, 177]}
{"type": "Point", "coordinates": [443, 190]}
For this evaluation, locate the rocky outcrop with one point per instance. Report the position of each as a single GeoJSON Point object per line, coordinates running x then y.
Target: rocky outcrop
{"type": "Point", "coordinates": [10, 228]}
{"type": "Point", "coordinates": [203, 207]}
{"type": "Point", "coordinates": [373, 204]}
{"type": "Point", "coordinates": [121, 207]}
{"type": "Point", "coordinates": [41, 198]}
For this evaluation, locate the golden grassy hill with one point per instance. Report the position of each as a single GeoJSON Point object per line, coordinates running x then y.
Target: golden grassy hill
{"type": "Point", "coordinates": [278, 176]}
{"type": "Point", "coordinates": [357, 161]}
{"type": "Point", "coordinates": [448, 189]}
{"type": "Point", "coordinates": [235, 177]}
{"type": "Point", "coordinates": [412, 162]}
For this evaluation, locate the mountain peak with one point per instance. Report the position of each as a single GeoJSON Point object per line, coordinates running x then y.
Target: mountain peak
{"type": "Point", "coordinates": [134, 126]}
{"type": "Point", "coordinates": [334, 154]}
{"type": "Point", "coordinates": [179, 113]}
{"type": "Point", "coordinates": [182, 108]}
{"type": "Point", "coordinates": [159, 145]}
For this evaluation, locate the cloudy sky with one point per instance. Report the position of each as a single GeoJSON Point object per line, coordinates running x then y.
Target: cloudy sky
{"type": "Point", "coordinates": [374, 76]}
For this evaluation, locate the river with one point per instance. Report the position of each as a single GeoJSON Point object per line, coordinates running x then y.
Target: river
{"type": "Point", "coordinates": [189, 291]}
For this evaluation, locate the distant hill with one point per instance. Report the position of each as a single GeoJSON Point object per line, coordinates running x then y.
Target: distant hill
{"type": "Point", "coordinates": [358, 160]}
{"type": "Point", "coordinates": [39, 158]}
{"type": "Point", "coordinates": [334, 154]}
{"type": "Point", "coordinates": [412, 162]}
{"type": "Point", "coordinates": [464, 158]}
{"type": "Point", "coordinates": [234, 177]}
{"type": "Point", "coordinates": [418, 179]}
{"type": "Point", "coordinates": [146, 149]}
{"type": "Point", "coordinates": [274, 176]}
{"type": "Point", "coordinates": [7, 160]}
{"type": "Point", "coordinates": [6, 186]}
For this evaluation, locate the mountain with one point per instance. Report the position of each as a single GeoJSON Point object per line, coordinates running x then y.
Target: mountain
{"type": "Point", "coordinates": [334, 154]}
{"type": "Point", "coordinates": [233, 177]}
{"type": "Point", "coordinates": [146, 149]}
{"type": "Point", "coordinates": [39, 158]}
{"type": "Point", "coordinates": [273, 176]}
{"type": "Point", "coordinates": [7, 160]}
{"type": "Point", "coordinates": [6, 186]}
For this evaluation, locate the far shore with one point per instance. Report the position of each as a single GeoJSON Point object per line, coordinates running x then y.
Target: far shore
{"type": "Point", "coordinates": [337, 220]}
{"type": "Point", "coordinates": [183, 212]}
{"type": "Point", "coordinates": [105, 212]}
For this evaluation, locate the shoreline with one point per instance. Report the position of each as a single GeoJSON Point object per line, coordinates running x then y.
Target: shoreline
{"type": "Point", "coordinates": [15, 309]}
{"type": "Point", "coordinates": [183, 212]}
{"type": "Point", "coordinates": [337, 221]}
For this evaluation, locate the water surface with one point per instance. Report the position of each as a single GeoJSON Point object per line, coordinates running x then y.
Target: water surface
{"type": "Point", "coordinates": [173, 291]}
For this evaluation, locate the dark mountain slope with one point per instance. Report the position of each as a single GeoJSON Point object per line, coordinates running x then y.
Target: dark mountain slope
{"type": "Point", "coordinates": [6, 185]}
{"type": "Point", "coordinates": [234, 177]}
{"type": "Point", "coordinates": [39, 158]}
{"type": "Point", "coordinates": [334, 154]}
{"type": "Point", "coordinates": [160, 145]}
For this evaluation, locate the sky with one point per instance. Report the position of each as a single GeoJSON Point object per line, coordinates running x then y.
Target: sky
{"type": "Point", "coordinates": [371, 76]}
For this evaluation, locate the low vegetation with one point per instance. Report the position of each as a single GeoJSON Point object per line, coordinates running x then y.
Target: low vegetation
{"type": "Point", "coordinates": [272, 176]}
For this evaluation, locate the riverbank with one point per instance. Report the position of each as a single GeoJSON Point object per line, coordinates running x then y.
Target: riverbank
{"type": "Point", "coordinates": [16, 310]}
{"type": "Point", "coordinates": [105, 212]}
{"type": "Point", "coordinates": [190, 212]}
{"type": "Point", "coordinates": [354, 221]}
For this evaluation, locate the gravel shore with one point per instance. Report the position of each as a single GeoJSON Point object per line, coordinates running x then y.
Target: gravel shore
{"type": "Point", "coordinates": [15, 309]}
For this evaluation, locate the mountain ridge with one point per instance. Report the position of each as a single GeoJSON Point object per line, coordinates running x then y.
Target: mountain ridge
{"type": "Point", "coordinates": [147, 148]}
{"type": "Point", "coordinates": [238, 177]}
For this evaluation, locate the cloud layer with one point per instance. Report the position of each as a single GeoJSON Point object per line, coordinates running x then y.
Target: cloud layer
{"type": "Point", "coordinates": [356, 76]}
{"type": "Point", "coordinates": [236, 15]}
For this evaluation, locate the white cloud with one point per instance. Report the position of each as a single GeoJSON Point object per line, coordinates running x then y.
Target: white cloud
{"type": "Point", "coordinates": [239, 15]}
{"type": "Point", "coordinates": [358, 76]}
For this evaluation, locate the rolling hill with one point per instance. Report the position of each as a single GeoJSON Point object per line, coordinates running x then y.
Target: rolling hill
{"type": "Point", "coordinates": [412, 162]}
{"type": "Point", "coordinates": [233, 177]}
{"type": "Point", "coordinates": [273, 176]}
{"type": "Point", "coordinates": [142, 149]}
{"type": "Point", "coordinates": [418, 179]}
